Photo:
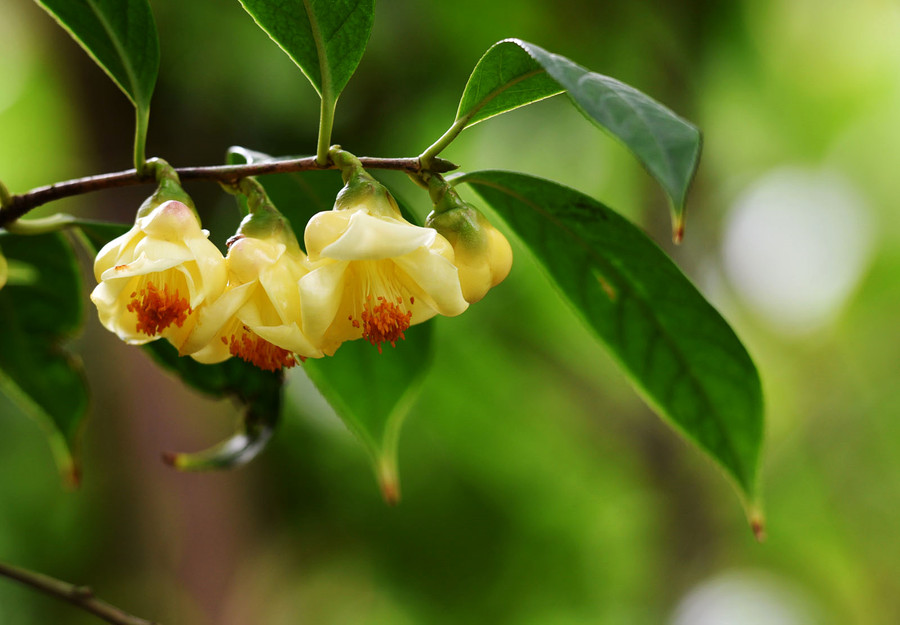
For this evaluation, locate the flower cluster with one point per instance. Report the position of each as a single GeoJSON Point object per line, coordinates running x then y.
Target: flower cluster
{"type": "Point", "coordinates": [367, 273]}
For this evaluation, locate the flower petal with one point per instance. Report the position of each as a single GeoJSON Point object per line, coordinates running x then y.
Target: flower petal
{"type": "Point", "coordinates": [375, 238]}
{"type": "Point", "coordinates": [213, 317]}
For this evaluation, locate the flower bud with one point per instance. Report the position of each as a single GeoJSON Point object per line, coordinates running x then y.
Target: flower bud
{"type": "Point", "coordinates": [483, 255]}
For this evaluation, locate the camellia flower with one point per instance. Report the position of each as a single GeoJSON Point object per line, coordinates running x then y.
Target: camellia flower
{"type": "Point", "coordinates": [482, 253]}
{"type": "Point", "coordinates": [152, 279]}
{"type": "Point", "coordinates": [257, 319]}
{"type": "Point", "coordinates": [372, 273]}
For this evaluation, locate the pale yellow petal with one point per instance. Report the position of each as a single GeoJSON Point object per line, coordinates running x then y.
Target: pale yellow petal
{"type": "Point", "coordinates": [321, 291]}
{"type": "Point", "coordinates": [374, 238]}
{"type": "Point", "coordinates": [214, 316]}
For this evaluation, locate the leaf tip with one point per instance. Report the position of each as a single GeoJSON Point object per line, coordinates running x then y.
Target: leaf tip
{"type": "Point", "coordinates": [757, 522]}
{"type": "Point", "coordinates": [678, 229]}
{"type": "Point", "coordinates": [72, 476]}
{"type": "Point", "coordinates": [170, 458]}
{"type": "Point", "coordinates": [388, 481]}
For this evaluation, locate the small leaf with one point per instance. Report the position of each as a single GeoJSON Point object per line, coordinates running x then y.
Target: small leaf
{"type": "Point", "coordinates": [120, 35]}
{"type": "Point", "coordinates": [373, 392]}
{"type": "Point", "coordinates": [257, 390]}
{"type": "Point", "coordinates": [676, 348]}
{"type": "Point", "coordinates": [39, 308]}
{"type": "Point", "coordinates": [513, 73]}
{"type": "Point", "coordinates": [325, 38]}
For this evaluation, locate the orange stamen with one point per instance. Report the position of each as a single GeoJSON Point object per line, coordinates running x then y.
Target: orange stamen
{"type": "Point", "coordinates": [260, 352]}
{"type": "Point", "coordinates": [157, 310]}
{"type": "Point", "coordinates": [384, 323]}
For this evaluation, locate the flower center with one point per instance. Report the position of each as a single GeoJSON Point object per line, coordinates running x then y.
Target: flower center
{"type": "Point", "coordinates": [383, 322]}
{"type": "Point", "coordinates": [157, 310]}
{"type": "Point", "coordinates": [382, 307]}
{"type": "Point", "coordinates": [248, 346]}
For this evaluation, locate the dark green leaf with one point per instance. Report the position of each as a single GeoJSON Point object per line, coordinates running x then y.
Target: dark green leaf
{"type": "Point", "coordinates": [514, 73]}
{"type": "Point", "coordinates": [677, 349]}
{"type": "Point", "coordinates": [325, 38]}
{"type": "Point", "coordinates": [40, 307]}
{"type": "Point", "coordinates": [257, 390]}
{"type": "Point", "coordinates": [120, 35]}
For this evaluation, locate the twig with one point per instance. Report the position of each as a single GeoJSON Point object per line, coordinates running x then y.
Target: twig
{"type": "Point", "coordinates": [80, 596]}
{"type": "Point", "coordinates": [19, 205]}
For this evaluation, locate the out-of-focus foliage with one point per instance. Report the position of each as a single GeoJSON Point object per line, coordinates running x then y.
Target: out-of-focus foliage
{"type": "Point", "coordinates": [537, 487]}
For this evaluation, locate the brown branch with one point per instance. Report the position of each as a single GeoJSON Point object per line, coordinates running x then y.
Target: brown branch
{"type": "Point", "coordinates": [21, 204]}
{"type": "Point", "coordinates": [80, 596]}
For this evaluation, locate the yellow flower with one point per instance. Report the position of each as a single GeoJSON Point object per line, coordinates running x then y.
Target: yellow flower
{"type": "Point", "coordinates": [483, 254]}
{"type": "Point", "coordinates": [258, 317]}
{"type": "Point", "coordinates": [372, 273]}
{"type": "Point", "coordinates": [152, 279]}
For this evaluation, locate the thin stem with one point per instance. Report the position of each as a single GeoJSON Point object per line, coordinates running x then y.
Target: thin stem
{"type": "Point", "coordinates": [142, 118]}
{"type": "Point", "coordinates": [427, 158]}
{"type": "Point", "coordinates": [326, 121]}
{"type": "Point", "coordinates": [19, 205]}
{"type": "Point", "coordinates": [459, 125]}
{"type": "Point", "coordinates": [79, 596]}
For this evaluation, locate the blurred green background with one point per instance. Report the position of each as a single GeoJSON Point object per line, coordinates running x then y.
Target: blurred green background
{"type": "Point", "coordinates": [538, 488]}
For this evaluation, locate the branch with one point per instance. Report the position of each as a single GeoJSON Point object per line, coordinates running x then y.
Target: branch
{"type": "Point", "coordinates": [80, 596]}
{"type": "Point", "coordinates": [19, 205]}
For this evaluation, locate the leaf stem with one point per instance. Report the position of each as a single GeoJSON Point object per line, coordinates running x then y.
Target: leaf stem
{"type": "Point", "coordinates": [427, 157]}
{"type": "Point", "coordinates": [19, 205]}
{"type": "Point", "coordinates": [79, 596]}
{"type": "Point", "coordinates": [326, 121]}
{"type": "Point", "coordinates": [142, 119]}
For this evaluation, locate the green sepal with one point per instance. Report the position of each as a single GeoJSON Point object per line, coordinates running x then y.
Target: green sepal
{"type": "Point", "coordinates": [168, 188]}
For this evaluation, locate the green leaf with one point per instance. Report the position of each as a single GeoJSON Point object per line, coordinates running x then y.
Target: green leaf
{"type": "Point", "coordinates": [257, 390]}
{"type": "Point", "coordinates": [40, 307]}
{"type": "Point", "coordinates": [120, 35]}
{"type": "Point", "coordinates": [372, 393]}
{"type": "Point", "coordinates": [513, 73]}
{"type": "Point", "coordinates": [677, 350]}
{"type": "Point", "coordinates": [325, 38]}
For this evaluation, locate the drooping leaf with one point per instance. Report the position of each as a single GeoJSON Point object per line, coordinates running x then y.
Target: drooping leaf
{"type": "Point", "coordinates": [40, 307]}
{"type": "Point", "coordinates": [513, 73]}
{"type": "Point", "coordinates": [372, 393]}
{"type": "Point", "coordinates": [676, 348]}
{"type": "Point", "coordinates": [120, 35]}
{"type": "Point", "coordinates": [258, 391]}
{"type": "Point", "coordinates": [325, 38]}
